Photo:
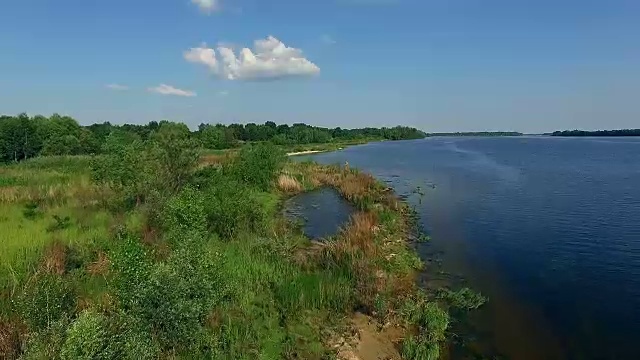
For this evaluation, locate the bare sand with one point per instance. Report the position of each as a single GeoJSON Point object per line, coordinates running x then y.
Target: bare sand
{"type": "Point", "coordinates": [305, 152]}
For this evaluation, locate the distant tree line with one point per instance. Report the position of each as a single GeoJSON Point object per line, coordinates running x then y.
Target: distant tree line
{"type": "Point", "coordinates": [623, 132]}
{"type": "Point", "coordinates": [477, 133]}
{"type": "Point", "coordinates": [23, 137]}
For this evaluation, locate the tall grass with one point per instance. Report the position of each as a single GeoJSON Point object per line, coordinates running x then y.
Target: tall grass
{"type": "Point", "coordinates": [23, 241]}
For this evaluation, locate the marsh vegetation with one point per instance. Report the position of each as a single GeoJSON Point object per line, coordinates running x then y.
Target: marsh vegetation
{"type": "Point", "coordinates": [149, 251]}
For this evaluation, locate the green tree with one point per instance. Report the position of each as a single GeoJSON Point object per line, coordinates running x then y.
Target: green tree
{"type": "Point", "coordinates": [174, 155]}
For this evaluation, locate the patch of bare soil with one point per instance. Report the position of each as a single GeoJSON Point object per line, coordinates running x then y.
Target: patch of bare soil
{"type": "Point", "coordinates": [369, 342]}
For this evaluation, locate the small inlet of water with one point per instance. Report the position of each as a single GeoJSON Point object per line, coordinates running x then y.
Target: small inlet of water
{"type": "Point", "coordinates": [322, 212]}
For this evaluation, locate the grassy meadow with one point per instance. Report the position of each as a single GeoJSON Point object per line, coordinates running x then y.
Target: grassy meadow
{"type": "Point", "coordinates": [157, 251]}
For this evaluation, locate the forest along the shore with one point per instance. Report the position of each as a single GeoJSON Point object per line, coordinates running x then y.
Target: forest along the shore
{"type": "Point", "coordinates": [23, 137]}
{"type": "Point", "coordinates": [147, 249]}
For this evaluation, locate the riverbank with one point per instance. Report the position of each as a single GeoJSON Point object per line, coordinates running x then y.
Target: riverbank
{"type": "Point", "coordinates": [147, 257]}
{"type": "Point", "coordinates": [411, 321]}
{"type": "Point", "coordinates": [306, 152]}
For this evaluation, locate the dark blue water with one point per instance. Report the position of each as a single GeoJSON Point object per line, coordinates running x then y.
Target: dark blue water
{"type": "Point", "coordinates": [323, 212]}
{"type": "Point", "coordinates": [548, 228]}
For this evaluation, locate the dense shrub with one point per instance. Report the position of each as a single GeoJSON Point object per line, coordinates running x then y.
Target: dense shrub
{"type": "Point", "coordinates": [137, 170]}
{"type": "Point", "coordinates": [172, 298]}
{"type": "Point", "coordinates": [122, 168]}
{"type": "Point", "coordinates": [44, 300]}
{"type": "Point", "coordinates": [46, 343]}
{"type": "Point", "coordinates": [185, 212]}
{"type": "Point", "coordinates": [88, 338]}
{"type": "Point", "coordinates": [231, 206]}
{"type": "Point", "coordinates": [133, 339]}
{"type": "Point", "coordinates": [173, 156]}
{"type": "Point", "coordinates": [258, 165]}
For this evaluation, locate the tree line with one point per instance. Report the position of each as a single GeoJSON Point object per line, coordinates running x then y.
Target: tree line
{"type": "Point", "coordinates": [623, 132]}
{"type": "Point", "coordinates": [23, 137]}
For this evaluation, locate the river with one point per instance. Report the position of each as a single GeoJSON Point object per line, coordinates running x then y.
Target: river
{"type": "Point", "coordinates": [547, 228]}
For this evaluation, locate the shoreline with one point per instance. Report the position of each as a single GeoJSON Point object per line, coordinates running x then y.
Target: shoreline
{"type": "Point", "coordinates": [405, 318]}
{"type": "Point", "coordinates": [297, 153]}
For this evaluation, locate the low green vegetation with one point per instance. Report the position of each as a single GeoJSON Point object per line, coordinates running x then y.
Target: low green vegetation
{"type": "Point", "coordinates": [146, 252]}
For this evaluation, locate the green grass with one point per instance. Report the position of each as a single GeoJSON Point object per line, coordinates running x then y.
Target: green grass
{"type": "Point", "coordinates": [208, 270]}
{"type": "Point", "coordinates": [28, 230]}
{"type": "Point", "coordinates": [23, 241]}
{"type": "Point", "coordinates": [275, 306]}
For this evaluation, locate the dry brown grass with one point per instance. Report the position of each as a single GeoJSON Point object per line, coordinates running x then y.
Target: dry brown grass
{"type": "Point", "coordinates": [215, 159]}
{"type": "Point", "coordinates": [101, 266]}
{"type": "Point", "coordinates": [354, 186]}
{"type": "Point", "coordinates": [83, 192]}
{"type": "Point", "coordinates": [54, 260]}
{"type": "Point", "coordinates": [289, 184]}
{"type": "Point", "coordinates": [359, 234]}
{"type": "Point", "coordinates": [11, 336]}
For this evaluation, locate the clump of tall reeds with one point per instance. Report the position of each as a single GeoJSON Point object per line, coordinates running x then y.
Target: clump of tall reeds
{"type": "Point", "coordinates": [289, 184]}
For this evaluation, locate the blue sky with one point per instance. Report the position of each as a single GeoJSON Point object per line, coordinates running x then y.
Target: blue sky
{"type": "Point", "coordinates": [439, 65]}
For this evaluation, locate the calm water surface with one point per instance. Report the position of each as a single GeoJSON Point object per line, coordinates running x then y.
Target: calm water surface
{"type": "Point", "coordinates": [547, 228]}
{"type": "Point", "coordinates": [323, 212]}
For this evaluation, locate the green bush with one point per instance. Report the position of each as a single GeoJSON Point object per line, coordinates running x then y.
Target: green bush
{"type": "Point", "coordinates": [171, 298]}
{"type": "Point", "coordinates": [45, 300]}
{"type": "Point", "coordinates": [46, 343]}
{"type": "Point", "coordinates": [432, 323]}
{"type": "Point", "coordinates": [59, 223]}
{"type": "Point", "coordinates": [134, 340]}
{"type": "Point", "coordinates": [123, 166]}
{"type": "Point", "coordinates": [185, 212]}
{"type": "Point", "coordinates": [418, 348]}
{"type": "Point", "coordinates": [173, 156]}
{"type": "Point", "coordinates": [232, 207]}
{"type": "Point", "coordinates": [32, 211]}
{"type": "Point", "coordinates": [180, 295]}
{"type": "Point", "coordinates": [88, 338]}
{"type": "Point", "coordinates": [258, 165]}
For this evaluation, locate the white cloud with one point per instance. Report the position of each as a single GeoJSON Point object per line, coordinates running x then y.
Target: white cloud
{"type": "Point", "coordinates": [165, 89]}
{"type": "Point", "coordinates": [327, 40]}
{"type": "Point", "coordinates": [269, 59]}
{"type": "Point", "coordinates": [202, 55]}
{"type": "Point", "coordinates": [223, 93]}
{"type": "Point", "coordinates": [117, 87]}
{"type": "Point", "coordinates": [207, 6]}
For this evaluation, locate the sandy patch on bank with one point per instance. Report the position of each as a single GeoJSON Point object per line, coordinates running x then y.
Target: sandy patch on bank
{"type": "Point", "coordinates": [370, 343]}
{"type": "Point", "coordinates": [305, 152]}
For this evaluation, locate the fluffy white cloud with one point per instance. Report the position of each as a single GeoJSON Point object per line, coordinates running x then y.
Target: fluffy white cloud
{"type": "Point", "coordinates": [165, 89]}
{"type": "Point", "coordinates": [117, 87]}
{"type": "Point", "coordinates": [202, 55]}
{"type": "Point", "coordinates": [207, 6]}
{"type": "Point", "coordinates": [269, 59]}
